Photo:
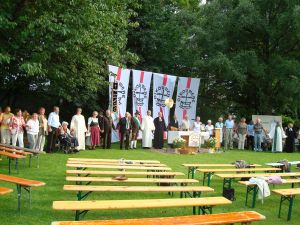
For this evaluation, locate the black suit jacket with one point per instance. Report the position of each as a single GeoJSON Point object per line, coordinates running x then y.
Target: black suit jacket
{"type": "Point", "coordinates": [122, 125]}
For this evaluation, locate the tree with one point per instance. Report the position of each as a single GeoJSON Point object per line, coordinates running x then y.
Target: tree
{"type": "Point", "coordinates": [246, 52]}
{"type": "Point", "coordinates": [61, 48]}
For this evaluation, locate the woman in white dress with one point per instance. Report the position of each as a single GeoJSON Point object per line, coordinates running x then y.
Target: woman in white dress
{"type": "Point", "coordinates": [78, 127]}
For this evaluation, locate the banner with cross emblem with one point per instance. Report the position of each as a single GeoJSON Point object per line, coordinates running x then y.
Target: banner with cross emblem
{"type": "Point", "coordinates": [163, 88]}
{"type": "Point", "coordinates": [141, 81]}
{"type": "Point", "coordinates": [120, 76]}
{"type": "Point", "coordinates": [186, 99]}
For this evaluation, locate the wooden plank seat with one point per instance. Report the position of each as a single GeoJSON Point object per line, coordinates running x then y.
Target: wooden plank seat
{"type": "Point", "coordinates": [208, 219]}
{"type": "Point", "coordinates": [193, 166]}
{"type": "Point", "coordinates": [253, 189]}
{"type": "Point", "coordinates": [88, 180]}
{"type": "Point", "coordinates": [19, 152]}
{"type": "Point", "coordinates": [116, 163]}
{"type": "Point", "coordinates": [208, 173]}
{"type": "Point", "coordinates": [191, 191]}
{"type": "Point", "coordinates": [128, 173]}
{"type": "Point", "coordinates": [82, 207]}
{"type": "Point", "coordinates": [228, 178]}
{"type": "Point", "coordinates": [35, 153]}
{"type": "Point", "coordinates": [289, 196]}
{"type": "Point", "coordinates": [12, 156]}
{"type": "Point", "coordinates": [26, 184]}
{"type": "Point", "coordinates": [114, 160]}
{"type": "Point", "coordinates": [84, 166]}
{"type": "Point", "coordinates": [4, 191]}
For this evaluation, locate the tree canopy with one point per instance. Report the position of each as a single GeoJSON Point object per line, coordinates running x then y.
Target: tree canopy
{"type": "Point", "coordinates": [246, 52]}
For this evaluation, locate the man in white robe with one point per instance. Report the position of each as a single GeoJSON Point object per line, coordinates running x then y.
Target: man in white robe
{"type": "Point", "coordinates": [78, 126]}
{"type": "Point", "coordinates": [276, 134]}
{"type": "Point", "coordinates": [147, 128]}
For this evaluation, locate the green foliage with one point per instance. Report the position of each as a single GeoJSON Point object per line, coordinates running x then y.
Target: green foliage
{"type": "Point", "coordinates": [62, 48]}
{"type": "Point", "coordinates": [246, 52]}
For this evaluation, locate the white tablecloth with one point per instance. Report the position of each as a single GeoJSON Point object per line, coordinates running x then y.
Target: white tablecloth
{"type": "Point", "coordinates": [174, 134]}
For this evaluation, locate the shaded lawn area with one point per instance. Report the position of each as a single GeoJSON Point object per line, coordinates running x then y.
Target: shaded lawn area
{"type": "Point", "coordinates": [52, 172]}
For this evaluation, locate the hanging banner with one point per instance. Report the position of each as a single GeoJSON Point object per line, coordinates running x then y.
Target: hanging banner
{"type": "Point", "coordinates": [163, 88]}
{"type": "Point", "coordinates": [121, 77]}
{"type": "Point", "coordinates": [140, 91]}
{"type": "Point", "coordinates": [186, 100]}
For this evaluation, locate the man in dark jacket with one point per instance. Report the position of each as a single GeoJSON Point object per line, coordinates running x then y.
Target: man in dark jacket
{"type": "Point", "coordinates": [108, 125]}
{"type": "Point", "coordinates": [290, 139]}
{"type": "Point", "coordinates": [124, 126]}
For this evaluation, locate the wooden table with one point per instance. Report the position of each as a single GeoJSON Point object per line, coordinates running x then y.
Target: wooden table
{"type": "Point", "coordinates": [26, 184]}
{"type": "Point", "coordinates": [89, 180]}
{"type": "Point", "coordinates": [208, 173]}
{"type": "Point", "coordinates": [114, 160]}
{"type": "Point", "coordinates": [253, 189]}
{"type": "Point", "coordinates": [191, 191]}
{"type": "Point", "coordinates": [127, 173]}
{"type": "Point", "coordinates": [82, 207]}
{"type": "Point", "coordinates": [116, 163]}
{"type": "Point", "coordinates": [287, 195]}
{"type": "Point", "coordinates": [227, 178]}
{"type": "Point", "coordinates": [84, 166]}
{"type": "Point", "coordinates": [10, 157]}
{"type": "Point", "coordinates": [192, 167]}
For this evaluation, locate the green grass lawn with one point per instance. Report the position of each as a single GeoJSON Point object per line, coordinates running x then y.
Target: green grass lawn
{"type": "Point", "coordinates": [52, 172]}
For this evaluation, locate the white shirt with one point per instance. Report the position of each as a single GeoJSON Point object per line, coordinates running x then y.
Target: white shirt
{"type": "Point", "coordinates": [33, 127]}
{"type": "Point", "coordinates": [197, 127]}
{"type": "Point", "coordinates": [53, 120]}
{"type": "Point", "coordinates": [209, 129]}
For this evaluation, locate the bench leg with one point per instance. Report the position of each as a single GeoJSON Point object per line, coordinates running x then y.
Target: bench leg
{"type": "Point", "coordinates": [19, 188]}
{"type": "Point", "coordinates": [9, 166]}
{"type": "Point", "coordinates": [209, 177]}
{"type": "Point", "coordinates": [81, 196]}
{"type": "Point", "coordinates": [30, 159]}
{"type": "Point", "coordinates": [17, 165]}
{"type": "Point", "coordinates": [204, 210]}
{"type": "Point", "coordinates": [227, 182]}
{"type": "Point", "coordinates": [193, 170]}
{"type": "Point", "coordinates": [291, 200]}
{"type": "Point", "coordinates": [254, 190]}
{"type": "Point", "coordinates": [79, 214]}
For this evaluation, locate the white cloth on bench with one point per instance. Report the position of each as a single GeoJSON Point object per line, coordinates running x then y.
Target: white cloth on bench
{"type": "Point", "coordinates": [263, 187]}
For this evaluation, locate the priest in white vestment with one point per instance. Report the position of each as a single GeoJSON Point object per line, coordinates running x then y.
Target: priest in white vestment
{"type": "Point", "coordinates": [276, 134]}
{"type": "Point", "coordinates": [78, 126]}
{"type": "Point", "coordinates": [147, 128]}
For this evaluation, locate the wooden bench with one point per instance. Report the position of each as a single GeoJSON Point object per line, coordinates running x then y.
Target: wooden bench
{"type": "Point", "coordinates": [35, 153]}
{"type": "Point", "coordinates": [114, 160]}
{"type": "Point", "coordinates": [208, 219]}
{"type": "Point", "coordinates": [12, 156]}
{"type": "Point", "coordinates": [88, 180]}
{"type": "Point", "coordinates": [116, 163]}
{"type": "Point", "coordinates": [287, 195]}
{"type": "Point", "coordinates": [228, 178]}
{"type": "Point", "coordinates": [191, 191]}
{"type": "Point", "coordinates": [21, 183]}
{"type": "Point", "coordinates": [19, 152]}
{"type": "Point", "coordinates": [82, 207]}
{"type": "Point", "coordinates": [133, 173]}
{"type": "Point", "coordinates": [192, 167]}
{"type": "Point", "coordinates": [252, 188]}
{"type": "Point", "coordinates": [84, 166]}
{"type": "Point", "coordinates": [208, 173]}
{"type": "Point", "coordinates": [4, 191]}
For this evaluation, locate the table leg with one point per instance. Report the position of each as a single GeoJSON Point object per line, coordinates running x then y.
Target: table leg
{"type": "Point", "coordinates": [9, 166]}
{"type": "Point", "coordinates": [19, 196]}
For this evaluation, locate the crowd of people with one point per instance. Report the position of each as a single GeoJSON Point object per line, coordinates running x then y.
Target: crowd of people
{"type": "Point", "coordinates": [98, 131]}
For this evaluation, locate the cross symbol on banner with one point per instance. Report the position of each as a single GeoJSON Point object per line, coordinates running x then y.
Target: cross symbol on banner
{"type": "Point", "coordinates": [140, 92]}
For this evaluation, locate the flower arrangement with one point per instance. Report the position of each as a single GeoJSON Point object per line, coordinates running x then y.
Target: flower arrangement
{"type": "Point", "coordinates": [211, 142]}
{"type": "Point", "coordinates": [178, 142]}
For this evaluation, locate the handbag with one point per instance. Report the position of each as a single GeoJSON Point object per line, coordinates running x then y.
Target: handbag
{"type": "Point", "coordinates": [229, 193]}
